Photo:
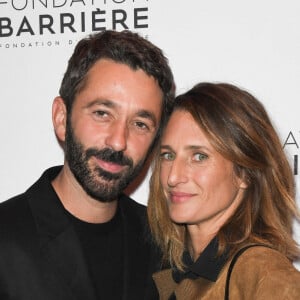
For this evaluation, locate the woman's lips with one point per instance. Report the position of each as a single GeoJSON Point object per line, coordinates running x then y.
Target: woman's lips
{"type": "Point", "coordinates": [180, 197]}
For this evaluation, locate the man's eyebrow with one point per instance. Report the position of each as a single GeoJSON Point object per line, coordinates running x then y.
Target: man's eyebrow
{"type": "Point", "coordinates": [143, 113]}
{"type": "Point", "coordinates": [147, 115]}
{"type": "Point", "coordinates": [105, 102]}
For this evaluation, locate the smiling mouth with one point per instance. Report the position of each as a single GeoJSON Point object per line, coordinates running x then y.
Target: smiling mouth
{"type": "Point", "coordinates": [180, 197]}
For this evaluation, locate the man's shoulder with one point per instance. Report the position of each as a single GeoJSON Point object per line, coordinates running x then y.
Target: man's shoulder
{"type": "Point", "coordinates": [17, 207]}
{"type": "Point", "coordinates": [135, 216]}
{"type": "Point", "coordinates": [12, 206]}
{"type": "Point", "coordinates": [131, 206]}
{"type": "Point", "coordinates": [133, 212]}
{"type": "Point", "coordinates": [17, 225]}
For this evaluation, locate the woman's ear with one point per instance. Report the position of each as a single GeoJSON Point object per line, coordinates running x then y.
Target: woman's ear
{"type": "Point", "coordinates": [243, 182]}
{"type": "Point", "coordinates": [59, 118]}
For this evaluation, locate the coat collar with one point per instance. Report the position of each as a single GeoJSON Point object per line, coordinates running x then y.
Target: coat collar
{"type": "Point", "coordinates": [208, 265]}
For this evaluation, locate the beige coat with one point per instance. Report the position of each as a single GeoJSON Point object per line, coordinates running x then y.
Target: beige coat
{"type": "Point", "coordinates": [259, 273]}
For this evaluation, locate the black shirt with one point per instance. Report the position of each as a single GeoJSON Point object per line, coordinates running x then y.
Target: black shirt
{"type": "Point", "coordinates": [102, 246]}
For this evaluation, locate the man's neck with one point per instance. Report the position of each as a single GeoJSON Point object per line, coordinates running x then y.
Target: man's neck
{"type": "Point", "coordinates": [77, 202]}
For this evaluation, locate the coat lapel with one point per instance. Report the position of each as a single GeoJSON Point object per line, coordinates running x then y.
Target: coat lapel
{"type": "Point", "coordinates": [64, 256]}
{"type": "Point", "coordinates": [60, 247]}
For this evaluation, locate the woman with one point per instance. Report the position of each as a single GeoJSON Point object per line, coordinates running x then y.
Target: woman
{"type": "Point", "coordinates": [222, 184]}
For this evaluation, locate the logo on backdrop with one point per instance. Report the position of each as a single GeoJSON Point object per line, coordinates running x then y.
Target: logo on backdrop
{"type": "Point", "coordinates": [292, 144]}
{"type": "Point", "coordinates": [52, 23]}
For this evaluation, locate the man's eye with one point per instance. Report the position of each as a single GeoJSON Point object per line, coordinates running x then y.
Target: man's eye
{"type": "Point", "coordinates": [142, 125]}
{"type": "Point", "coordinates": [200, 156]}
{"type": "Point", "coordinates": [167, 156]}
{"type": "Point", "coordinates": [100, 113]}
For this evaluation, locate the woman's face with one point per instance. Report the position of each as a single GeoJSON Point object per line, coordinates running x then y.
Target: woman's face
{"type": "Point", "coordinates": [199, 183]}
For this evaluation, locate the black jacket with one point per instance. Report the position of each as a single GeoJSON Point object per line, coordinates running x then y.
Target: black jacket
{"type": "Point", "coordinates": [40, 254]}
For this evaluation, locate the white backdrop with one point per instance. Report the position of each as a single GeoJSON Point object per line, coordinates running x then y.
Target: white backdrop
{"type": "Point", "coordinates": [254, 44]}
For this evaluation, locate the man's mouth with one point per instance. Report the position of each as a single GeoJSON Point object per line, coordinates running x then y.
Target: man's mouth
{"type": "Point", "coordinates": [110, 166]}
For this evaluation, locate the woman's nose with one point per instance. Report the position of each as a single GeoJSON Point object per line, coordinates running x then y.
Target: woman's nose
{"type": "Point", "coordinates": [177, 173]}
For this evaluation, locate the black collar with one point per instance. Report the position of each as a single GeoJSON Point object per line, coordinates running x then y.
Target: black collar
{"type": "Point", "coordinates": [208, 265]}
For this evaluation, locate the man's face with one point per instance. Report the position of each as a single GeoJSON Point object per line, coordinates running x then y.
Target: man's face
{"type": "Point", "coordinates": [113, 122]}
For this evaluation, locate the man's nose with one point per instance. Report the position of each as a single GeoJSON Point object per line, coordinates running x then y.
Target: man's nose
{"type": "Point", "coordinates": [117, 137]}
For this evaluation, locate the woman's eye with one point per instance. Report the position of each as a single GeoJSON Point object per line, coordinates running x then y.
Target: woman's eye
{"type": "Point", "coordinates": [200, 156]}
{"type": "Point", "coordinates": [167, 156]}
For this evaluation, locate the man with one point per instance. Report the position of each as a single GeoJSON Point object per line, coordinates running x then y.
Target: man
{"type": "Point", "coordinates": [74, 234]}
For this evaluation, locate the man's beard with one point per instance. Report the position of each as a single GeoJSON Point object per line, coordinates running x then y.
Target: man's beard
{"type": "Point", "coordinates": [101, 185]}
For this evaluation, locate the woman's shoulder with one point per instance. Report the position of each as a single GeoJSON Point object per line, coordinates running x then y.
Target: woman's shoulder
{"type": "Point", "coordinates": [265, 258]}
{"type": "Point", "coordinates": [265, 272]}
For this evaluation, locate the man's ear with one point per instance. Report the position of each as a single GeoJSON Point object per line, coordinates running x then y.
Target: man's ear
{"type": "Point", "coordinates": [59, 118]}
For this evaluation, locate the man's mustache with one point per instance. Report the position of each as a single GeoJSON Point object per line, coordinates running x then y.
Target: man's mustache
{"type": "Point", "coordinates": [110, 155]}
